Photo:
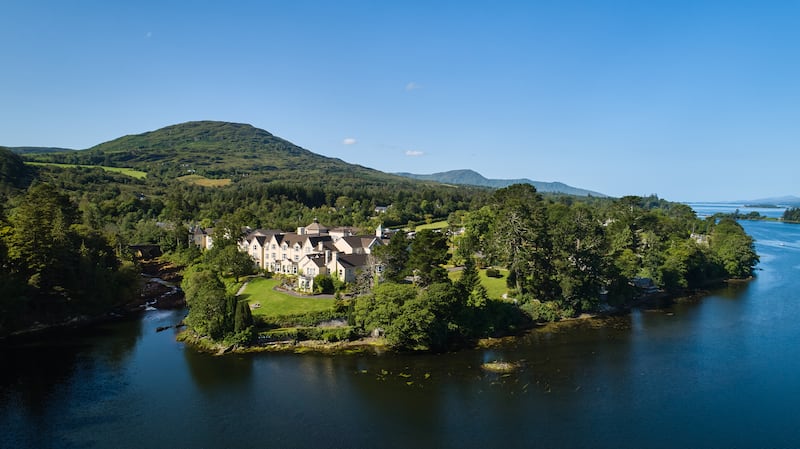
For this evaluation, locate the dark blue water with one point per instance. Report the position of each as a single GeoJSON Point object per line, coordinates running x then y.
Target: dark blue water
{"type": "Point", "coordinates": [707, 209]}
{"type": "Point", "coordinates": [720, 372]}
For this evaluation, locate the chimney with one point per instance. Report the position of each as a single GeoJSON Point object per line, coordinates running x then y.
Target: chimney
{"type": "Point", "coordinates": [327, 256]}
{"type": "Point", "coordinates": [379, 231]}
{"type": "Point", "coordinates": [301, 230]}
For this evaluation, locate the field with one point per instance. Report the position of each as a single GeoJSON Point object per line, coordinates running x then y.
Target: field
{"type": "Point", "coordinates": [495, 287]}
{"type": "Point", "coordinates": [121, 170]}
{"type": "Point", "coordinates": [274, 303]}
{"type": "Point", "coordinates": [435, 225]}
{"type": "Point", "coordinates": [204, 182]}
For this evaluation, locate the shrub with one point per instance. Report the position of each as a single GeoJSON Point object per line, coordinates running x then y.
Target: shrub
{"type": "Point", "coordinates": [542, 311]}
{"type": "Point", "coordinates": [493, 273]}
{"type": "Point", "coordinates": [309, 333]}
{"type": "Point", "coordinates": [338, 334]}
{"type": "Point", "coordinates": [323, 283]}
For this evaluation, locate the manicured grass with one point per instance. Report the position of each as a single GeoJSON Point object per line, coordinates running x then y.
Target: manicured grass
{"type": "Point", "coordinates": [121, 170]}
{"type": "Point", "coordinates": [275, 303]}
{"type": "Point", "coordinates": [435, 225]}
{"type": "Point", "coordinates": [495, 287]}
{"type": "Point", "coordinates": [204, 182]}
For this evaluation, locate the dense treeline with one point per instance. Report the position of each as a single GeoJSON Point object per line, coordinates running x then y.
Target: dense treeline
{"type": "Point", "coordinates": [792, 214]}
{"type": "Point", "coordinates": [54, 266]}
{"type": "Point", "coordinates": [130, 209]}
{"type": "Point", "coordinates": [564, 258]}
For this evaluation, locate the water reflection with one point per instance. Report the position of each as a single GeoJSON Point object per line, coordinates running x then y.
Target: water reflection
{"type": "Point", "coordinates": [217, 373]}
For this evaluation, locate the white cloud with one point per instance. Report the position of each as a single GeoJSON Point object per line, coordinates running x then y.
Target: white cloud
{"type": "Point", "coordinates": [414, 153]}
{"type": "Point", "coordinates": [349, 141]}
{"type": "Point", "coordinates": [412, 86]}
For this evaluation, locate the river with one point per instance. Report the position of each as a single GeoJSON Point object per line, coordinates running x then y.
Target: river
{"type": "Point", "coordinates": [718, 372]}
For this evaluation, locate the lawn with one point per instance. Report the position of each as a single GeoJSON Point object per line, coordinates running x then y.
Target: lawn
{"type": "Point", "coordinates": [121, 170]}
{"type": "Point", "coordinates": [204, 182]}
{"type": "Point", "coordinates": [495, 287]}
{"type": "Point", "coordinates": [274, 303]}
{"type": "Point", "coordinates": [435, 225]}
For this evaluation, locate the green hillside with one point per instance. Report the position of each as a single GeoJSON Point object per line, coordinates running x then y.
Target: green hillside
{"type": "Point", "coordinates": [37, 150]}
{"type": "Point", "coordinates": [217, 150]}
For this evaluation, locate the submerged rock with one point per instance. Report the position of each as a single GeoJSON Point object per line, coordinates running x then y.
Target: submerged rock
{"type": "Point", "coordinates": [501, 367]}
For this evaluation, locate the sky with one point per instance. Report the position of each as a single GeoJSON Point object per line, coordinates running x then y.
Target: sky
{"type": "Point", "coordinates": [689, 100]}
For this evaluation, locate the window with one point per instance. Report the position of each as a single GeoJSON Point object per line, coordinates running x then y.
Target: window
{"type": "Point", "coordinates": [273, 246]}
{"type": "Point", "coordinates": [296, 258]}
{"type": "Point", "coordinates": [284, 256]}
{"type": "Point", "coordinates": [294, 269]}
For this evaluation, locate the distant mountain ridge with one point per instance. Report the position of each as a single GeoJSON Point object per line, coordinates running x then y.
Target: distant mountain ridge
{"type": "Point", "coordinates": [473, 178]}
{"type": "Point", "coordinates": [787, 200]}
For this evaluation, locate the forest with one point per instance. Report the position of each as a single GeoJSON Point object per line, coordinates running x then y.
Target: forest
{"type": "Point", "coordinates": [792, 215]}
{"type": "Point", "coordinates": [65, 234]}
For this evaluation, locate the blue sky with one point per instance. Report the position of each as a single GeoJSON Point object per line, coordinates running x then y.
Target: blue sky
{"type": "Point", "coordinates": [689, 100]}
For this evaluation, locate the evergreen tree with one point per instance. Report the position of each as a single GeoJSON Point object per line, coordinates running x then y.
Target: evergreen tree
{"type": "Point", "coordinates": [579, 248]}
{"type": "Point", "coordinates": [469, 277]}
{"type": "Point", "coordinates": [39, 247]}
{"type": "Point", "coordinates": [520, 241]}
{"type": "Point", "coordinates": [393, 257]}
{"type": "Point", "coordinates": [243, 318]}
{"type": "Point", "coordinates": [428, 253]}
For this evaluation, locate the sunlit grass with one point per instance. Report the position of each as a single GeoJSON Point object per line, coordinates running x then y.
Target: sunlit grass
{"type": "Point", "coordinates": [274, 303]}
{"type": "Point", "coordinates": [435, 225]}
{"type": "Point", "coordinates": [204, 182]}
{"type": "Point", "coordinates": [495, 287]}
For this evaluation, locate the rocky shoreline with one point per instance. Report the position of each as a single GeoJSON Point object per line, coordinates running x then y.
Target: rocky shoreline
{"type": "Point", "coordinates": [160, 290]}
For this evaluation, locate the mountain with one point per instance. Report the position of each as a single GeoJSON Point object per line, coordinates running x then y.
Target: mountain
{"type": "Point", "coordinates": [788, 200]}
{"type": "Point", "coordinates": [218, 150]}
{"type": "Point", "coordinates": [473, 178]}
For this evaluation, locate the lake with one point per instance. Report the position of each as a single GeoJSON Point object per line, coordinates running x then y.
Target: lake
{"type": "Point", "coordinates": [718, 372]}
